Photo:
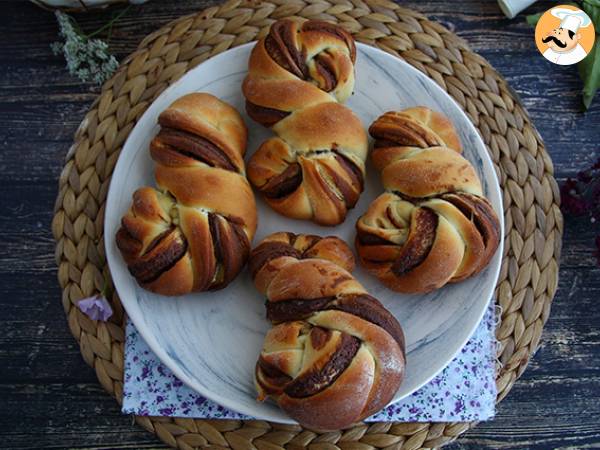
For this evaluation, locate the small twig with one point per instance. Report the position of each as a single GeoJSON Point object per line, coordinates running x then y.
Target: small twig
{"type": "Point", "coordinates": [105, 292]}
{"type": "Point", "coordinates": [110, 30]}
{"type": "Point", "coordinates": [110, 23]}
{"type": "Point", "coordinates": [109, 35]}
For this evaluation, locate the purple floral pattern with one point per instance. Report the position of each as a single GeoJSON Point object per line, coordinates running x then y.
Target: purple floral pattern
{"type": "Point", "coordinates": [463, 391]}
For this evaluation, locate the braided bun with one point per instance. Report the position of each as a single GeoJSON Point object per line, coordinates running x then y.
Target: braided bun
{"type": "Point", "coordinates": [314, 169]}
{"type": "Point", "coordinates": [335, 355]}
{"type": "Point", "coordinates": [432, 225]}
{"type": "Point", "coordinates": [193, 233]}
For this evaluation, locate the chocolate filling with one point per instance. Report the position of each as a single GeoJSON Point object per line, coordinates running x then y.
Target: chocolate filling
{"type": "Point", "coordinates": [314, 381]}
{"type": "Point", "coordinates": [242, 250]}
{"type": "Point", "coordinates": [341, 186]}
{"type": "Point", "coordinates": [164, 254]}
{"type": "Point", "coordinates": [399, 136]}
{"type": "Point", "coordinates": [292, 237]}
{"type": "Point", "coordinates": [128, 245]}
{"type": "Point", "coordinates": [195, 147]}
{"type": "Point", "coordinates": [268, 251]}
{"type": "Point", "coordinates": [263, 115]}
{"type": "Point", "coordinates": [351, 168]}
{"type": "Point", "coordinates": [157, 240]}
{"type": "Point", "coordinates": [419, 242]}
{"type": "Point", "coordinates": [310, 240]}
{"type": "Point", "coordinates": [480, 212]}
{"type": "Point", "coordinates": [295, 309]}
{"type": "Point", "coordinates": [392, 218]}
{"type": "Point", "coordinates": [383, 143]}
{"type": "Point", "coordinates": [370, 309]}
{"type": "Point", "coordinates": [272, 375]}
{"type": "Point", "coordinates": [361, 305]}
{"type": "Point", "coordinates": [283, 184]}
{"type": "Point", "coordinates": [231, 249]}
{"type": "Point", "coordinates": [366, 238]}
{"type": "Point", "coordinates": [279, 44]}
{"type": "Point", "coordinates": [328, 80]}
{"type": "Point", "coordinates": [356, 177]}
{"type": "Point", "coordinates": [270, 370]}
{"type": "Point", "coordinates": [319, 337]}
{"type": "Point", "coordinates": [402, 131]}
{"type": "Point", "coordinates": [408, 198]}
{"type": "Point", "coordinates": [215, 233]}
{"type": "Point", "coordinates": [340, 33]}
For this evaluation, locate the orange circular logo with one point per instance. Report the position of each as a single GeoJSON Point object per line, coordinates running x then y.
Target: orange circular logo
{"type": "Point", "coordinates": [564, 35]}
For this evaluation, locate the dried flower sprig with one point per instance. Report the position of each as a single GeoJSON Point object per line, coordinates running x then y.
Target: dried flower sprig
{"type": "Point", "coordinates": [88, 59]}
{"type": "Point", "coordinates": [581, 197]}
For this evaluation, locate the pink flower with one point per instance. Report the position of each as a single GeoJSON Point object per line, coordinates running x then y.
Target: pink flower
{"type": "Point", "coordinates": [585, 176]}
{"type": "Point", "coordinates": [571, 198]}
{"type": "Point", "coordinates": [96, 308]}
{"type": "Point", "coordinates": [581, 197]}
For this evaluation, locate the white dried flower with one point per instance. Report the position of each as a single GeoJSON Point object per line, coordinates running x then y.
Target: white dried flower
{"type": "Point", "coordinates": [88, 59]}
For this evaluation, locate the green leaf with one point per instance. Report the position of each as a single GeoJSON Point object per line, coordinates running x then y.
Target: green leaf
{"type": "Point", "coordinates": [592, 9]}
{"type": "Point", "coordinates": [589, 67]}
{"type": "Point", "coordinates": [533, 19]}
{"type": "Point", "coordinates": [589, 71]}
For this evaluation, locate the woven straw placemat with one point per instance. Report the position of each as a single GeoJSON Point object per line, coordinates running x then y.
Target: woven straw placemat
{"type": "Point", "coordinates": [529, 274]}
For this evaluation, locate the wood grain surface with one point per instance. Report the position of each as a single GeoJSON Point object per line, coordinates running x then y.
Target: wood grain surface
{"type": "Point", "coordinates": [49, 398]}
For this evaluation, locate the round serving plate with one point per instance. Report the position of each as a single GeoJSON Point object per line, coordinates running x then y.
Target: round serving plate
{"type": "Point", "coordinates": [211, 340]}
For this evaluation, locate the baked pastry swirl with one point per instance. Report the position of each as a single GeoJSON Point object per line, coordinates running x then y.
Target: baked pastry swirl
{"type": "Point", "coordinates": [314, 168]}
{"type": "Point", "coordinates": [194, 232]}
{"type": "Point", "coordinates": [433, 225]}
{"type": "Point", "coordinates": [335, 355]}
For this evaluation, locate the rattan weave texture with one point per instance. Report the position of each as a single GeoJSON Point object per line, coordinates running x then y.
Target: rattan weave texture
{"type": "Point", "coordinates": [529, 274]}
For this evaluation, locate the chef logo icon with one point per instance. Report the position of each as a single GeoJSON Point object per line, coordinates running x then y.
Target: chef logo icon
{"type": "Point", "coordinates": [564, 35]}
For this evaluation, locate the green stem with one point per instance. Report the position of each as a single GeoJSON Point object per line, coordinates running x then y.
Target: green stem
{"type": "Point", "coordinates": [105, 290]}
{"type": "Point", "coordinates": [78, 29]}
{"type": "Point", "coordinates": [109, 35]}
{"type": "Point", "coordinates": [109, 24]}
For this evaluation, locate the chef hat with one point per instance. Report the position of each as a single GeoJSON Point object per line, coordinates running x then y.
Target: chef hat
{"type": "Point", "coordinates": [571, 20]}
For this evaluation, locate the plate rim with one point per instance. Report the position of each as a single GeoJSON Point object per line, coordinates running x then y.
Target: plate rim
{"type": "Point", "coordinates": [281, 417]}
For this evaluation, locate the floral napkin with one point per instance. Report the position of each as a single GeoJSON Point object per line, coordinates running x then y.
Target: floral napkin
{"type": "Point", "coordinates": [463, 391]}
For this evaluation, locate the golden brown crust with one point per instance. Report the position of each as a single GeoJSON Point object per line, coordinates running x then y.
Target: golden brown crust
{"type": "Point", "coordinates": [429, 172]}
{"type": "Point", "coordinates": [297, 75]}
{"type": "Point", "coordinates": [278, 249]}
{"type": "Point", "coordinates": [433, 225]}
{"type": "Point", "coordinates": [335, 355]}
{"type": "Point", "coordinates": [205, 115]}
{"type": "Point", "coordinates": [418, 127]}
{"type": "Point", "coordinates": [193, 233]}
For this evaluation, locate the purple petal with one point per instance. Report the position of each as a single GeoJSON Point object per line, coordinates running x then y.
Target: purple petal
{"type": "Point", "coordinates": [96, 308]}
{"type": "Point", "coordinates": [572, 202]}
{"type": "Point", "coordinates": [584, 176]}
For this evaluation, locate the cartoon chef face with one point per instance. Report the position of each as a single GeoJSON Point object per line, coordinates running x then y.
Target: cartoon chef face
{"type": "Point", "coordinates": [562, 45]}
{"type": "Point", "coordinates": [561, 39]}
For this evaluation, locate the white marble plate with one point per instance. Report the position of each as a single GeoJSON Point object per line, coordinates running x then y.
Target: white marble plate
{"type": "Point", "coordinates": [211, 340]}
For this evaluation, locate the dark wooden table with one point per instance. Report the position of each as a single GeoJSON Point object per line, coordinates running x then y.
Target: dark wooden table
{"type": "Point", "coordinates": [49, 398]}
